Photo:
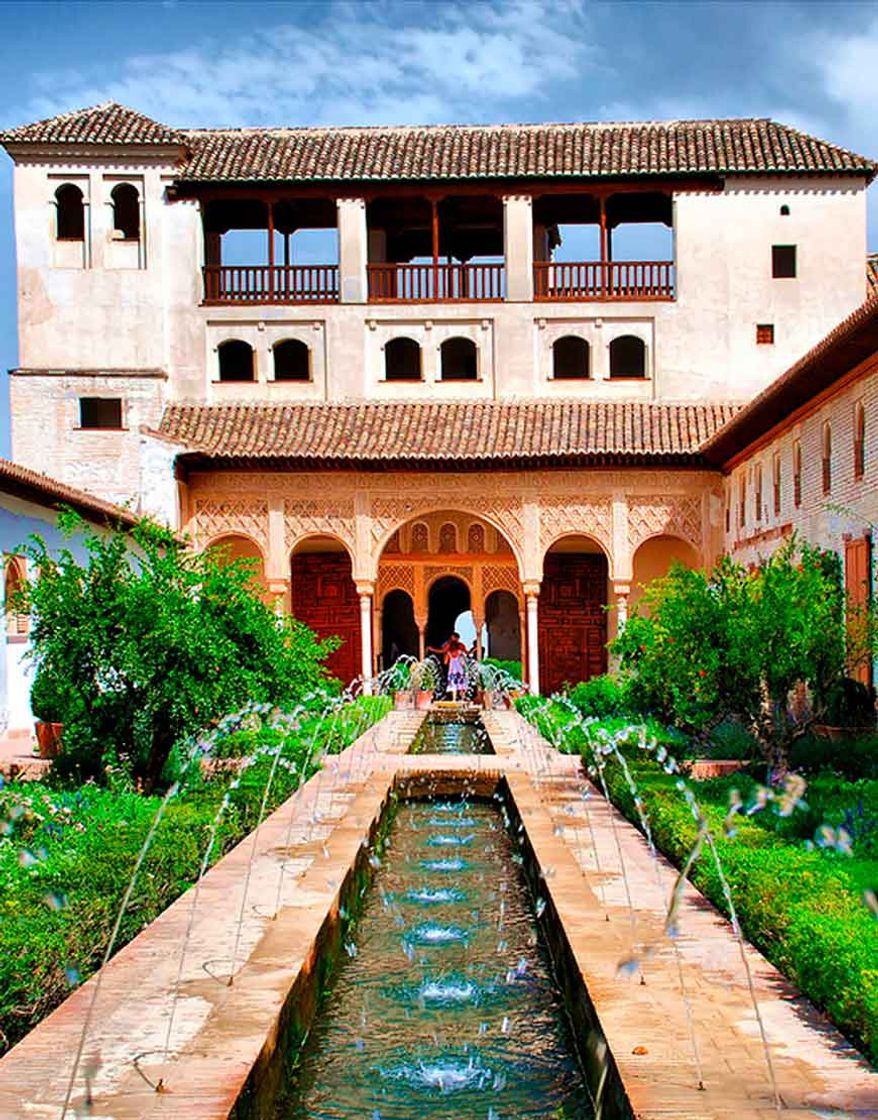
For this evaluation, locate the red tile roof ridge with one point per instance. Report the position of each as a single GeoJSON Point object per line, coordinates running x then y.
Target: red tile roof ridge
{"type": "Point", "coordinates": [61, 493]}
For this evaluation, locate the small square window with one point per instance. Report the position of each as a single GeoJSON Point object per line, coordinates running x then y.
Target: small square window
{"type": "Point", "coordinates": [783, 262]}
{"type": "Point", "coordinates": [100, 412]}
{"type": "Point", "coordinates": [765, 333]}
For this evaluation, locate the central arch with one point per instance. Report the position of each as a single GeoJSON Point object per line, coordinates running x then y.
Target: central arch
{"type": "Point", "coordinates": [436, 566]}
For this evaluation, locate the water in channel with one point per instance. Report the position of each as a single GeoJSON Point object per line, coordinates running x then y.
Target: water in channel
{"type": "Point", "coordinates": [451, 736]}
{"type": "Point", "coordinates": [445, 1005]}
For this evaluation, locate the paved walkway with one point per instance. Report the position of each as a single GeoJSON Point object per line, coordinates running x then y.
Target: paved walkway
{"type": "Point", "coordinates": [258, 920]}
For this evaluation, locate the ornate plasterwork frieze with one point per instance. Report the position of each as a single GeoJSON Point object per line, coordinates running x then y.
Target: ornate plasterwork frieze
{"type": "Point", "coordinates": [663, 515]}
{"type": "Point", "coordinates": [566, 515]}
{"type": "Point", "coordinates": [224, 516]}
{"type": "Point", "coordinates": [331, 515]}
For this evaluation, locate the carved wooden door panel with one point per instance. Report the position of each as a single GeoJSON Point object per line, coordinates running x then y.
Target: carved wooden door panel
{"type": "Point", "coordinates": [572, 619]}
{"type": "Point", "coordinates": [325, 598]}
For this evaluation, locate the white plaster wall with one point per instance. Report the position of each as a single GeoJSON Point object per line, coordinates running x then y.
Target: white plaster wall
{"type": "Point", "coordinates": [850, 507]}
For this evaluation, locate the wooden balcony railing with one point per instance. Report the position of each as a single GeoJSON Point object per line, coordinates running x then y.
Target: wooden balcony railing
{"type": "Point", "coordinates": [300, 283]}
{"type": "Point", "coordinates": [609, 280]}
{"type": "Point", "coordinates": [433, 283]}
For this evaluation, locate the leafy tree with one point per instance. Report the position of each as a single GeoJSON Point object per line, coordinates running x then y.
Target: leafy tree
{"type": "Point", "coordinates": [704, 647]}
{"type": "Point", "coordinates": [148, 642]}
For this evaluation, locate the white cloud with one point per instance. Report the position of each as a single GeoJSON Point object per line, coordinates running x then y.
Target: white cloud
{"type": "Point", "coordinates": [400, 63]}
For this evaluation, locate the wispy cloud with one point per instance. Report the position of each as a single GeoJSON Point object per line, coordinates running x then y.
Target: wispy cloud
{"type": "Point", "coordinates": [358, 64]}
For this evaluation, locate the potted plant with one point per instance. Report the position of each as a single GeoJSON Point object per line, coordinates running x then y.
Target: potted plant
{"type": "Point", "coordinates": [47, 704]}
{"type": "Point", "coordinates": [425, 680]}
{"type": "Point", "coordinates": [401, 684]}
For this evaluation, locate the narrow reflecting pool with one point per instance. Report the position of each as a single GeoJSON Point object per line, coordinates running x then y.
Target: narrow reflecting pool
{"type": "Point", "coordinates": [451, 736]}
{"type": "Point", "coordinates": [445, 1005]}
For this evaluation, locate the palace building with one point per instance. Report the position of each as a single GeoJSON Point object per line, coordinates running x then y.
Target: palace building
{"type": "Point", "coordinates": [412, 372]}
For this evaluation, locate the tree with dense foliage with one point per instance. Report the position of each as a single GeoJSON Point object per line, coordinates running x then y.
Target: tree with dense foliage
{"type": "Point", "coordinates": [147, 642]}
{"type": "Point", "coordinates": [736, 642]}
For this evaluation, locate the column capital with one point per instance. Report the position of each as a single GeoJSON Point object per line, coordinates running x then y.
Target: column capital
{"type": "Point", "coordinates": [531, 588]}
{"type": "Point", "coordinates": [621, 588]}
{"type": "Point", "coordinates": [365, 587]}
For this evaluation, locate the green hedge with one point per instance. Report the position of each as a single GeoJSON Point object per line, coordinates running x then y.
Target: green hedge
{"type": "Point", "coordinates": [803, 909]}
{"type": "Point", "coordinates": [66, 858]}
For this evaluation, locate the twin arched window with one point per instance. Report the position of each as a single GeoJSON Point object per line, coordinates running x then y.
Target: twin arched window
{"type": "Point", "coordinates": [458, 360]}
{"type": "Point", "coordinates": [292, 360]}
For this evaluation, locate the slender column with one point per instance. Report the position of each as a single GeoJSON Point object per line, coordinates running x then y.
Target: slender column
{"type": "Point", "coordinates": [605, 247]}
{"type": "Point", "coordinates": [478, 623]}
{"type": "Point", "coordinates": [365, 591]}
{"type": "Point", "coordinates": [621, 591]}
{"type": "Point", "coordinates": [532, 592]}
{"type": "Point", "coordinates": [522, 638]}
{"type": "Point", "coordinates": [421, 624]}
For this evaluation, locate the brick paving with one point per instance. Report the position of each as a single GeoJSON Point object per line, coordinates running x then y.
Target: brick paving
{"type": "Point", "coordinates": [285, 878]}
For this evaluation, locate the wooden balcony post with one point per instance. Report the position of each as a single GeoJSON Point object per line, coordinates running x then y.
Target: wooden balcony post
{"type": "Point", "coordinates": [271, 251]}
{"type": "Point", "coordinates": [605, 248]}
{"type": "Point", "coordinates": [434, 221]}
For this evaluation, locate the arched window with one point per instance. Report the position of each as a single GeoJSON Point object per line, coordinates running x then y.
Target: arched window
{"type": "Point", "coordinates": [420, 541]}
{"type": "Point", "coordinates": [70, 213]}
{"type": "Point", "coordinates": [742, 500]}
{"type": "Point", "coordinates": [448, 538]}
{"type": "Point", "coordinates": [570, 359]}
{"type": "Point", "coordinates": [235, 360]}
{"type": "Point", "coordinates": [402, 360]}
{"type": "Point", "coordinates": [17, 622]}
{"type": "Point", "coordinates": [292, 360]}
{"type": "Point", "coordinates": [126, 211]}
{"type": "Point", "coordinates": [859, 440]}
{"type": "Point", "coordinates": [459, 360]}
{"type": "Point", "coordinates": [797, 474]}
{"type": "Point", "coordinates": [826, 458]}
{"type": "Point", "coordinates": [627, 357]}
{"type": "Point", "coordinates": [475, 541]}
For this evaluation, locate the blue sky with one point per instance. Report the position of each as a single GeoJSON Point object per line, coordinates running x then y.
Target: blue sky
{"type": "Point", "coordinates": [186, 62]}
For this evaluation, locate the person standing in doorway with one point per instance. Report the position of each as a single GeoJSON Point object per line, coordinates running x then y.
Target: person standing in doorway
{"type": "Point", "coordinates": [453, 653]}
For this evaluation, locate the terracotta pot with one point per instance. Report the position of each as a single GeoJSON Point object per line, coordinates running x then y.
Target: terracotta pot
{"type": "Point", "coordinates": [48, 738]}
{"type": "Point", "coordinates": [402, 701]}
{"type": "Point", "coordinates": [423, 700]}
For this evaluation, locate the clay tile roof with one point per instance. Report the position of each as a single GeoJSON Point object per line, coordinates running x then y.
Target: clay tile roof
{"type": "Point", "coordinates": [109, 123]}
{"type": "Point", "coordinates": [40, 488]}
{"type": "Point", "coordinates": [440, 152]}
{"type": "Point", "coordinates": [872, 274]}
{"type": "Point", "coordinates": [847, 346]}
{"type": "Point", "coordinates": [447, 433]}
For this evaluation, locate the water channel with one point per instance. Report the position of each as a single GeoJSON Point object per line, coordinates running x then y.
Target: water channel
{"type": "Point", "coordinates": [451, 735]}
{"type": "Point", "coordinates": [445, 1006]}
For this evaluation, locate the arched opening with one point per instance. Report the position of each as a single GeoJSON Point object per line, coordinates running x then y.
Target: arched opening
{"type": "Point", "coordinates": [292, 360]}
{"type": "Point", "coordinates": [126, 211]}
{"type": "Point", "coordinates": [236, 547]}
{"type": "Point", "coordinates": [324, 596]}
{"type": "Point", "coordinates": [570, 359]}
{"type": "Point", "coordinates": [826, 458]}
{"type": "Point", "coordinates": [459, 360]}
{"type": "Point", "coordinates": [448, 537]}
{"type": "Point", "coordinates": [70, 213]}
{"type": "Point", "coordinates": [235, 360]}
{"type": "Point", "coordinates": [572, 613]}
{"type": "Point", "coordinates": [653, 560]}
{"type": "Point", "coordinates": [859, 440]}
{"type": "Point", "coordinates": [17, 621]}
{"type": "Point", "coordinates": [448, 598]}
{"type": "Point", "coordinates": [399, 631]}
{"type": "Point", "coordinates": [504, 626]}
{"type": "Point", "coordinates": [627, 357]}
{"type": "Point", "coordinates": [402, 360]}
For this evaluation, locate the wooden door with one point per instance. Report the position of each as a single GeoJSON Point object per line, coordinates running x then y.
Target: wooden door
{"type": "Point", "coordinates": [324, 597]}
{"type": "Point", "coordinates": [572, 619]}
